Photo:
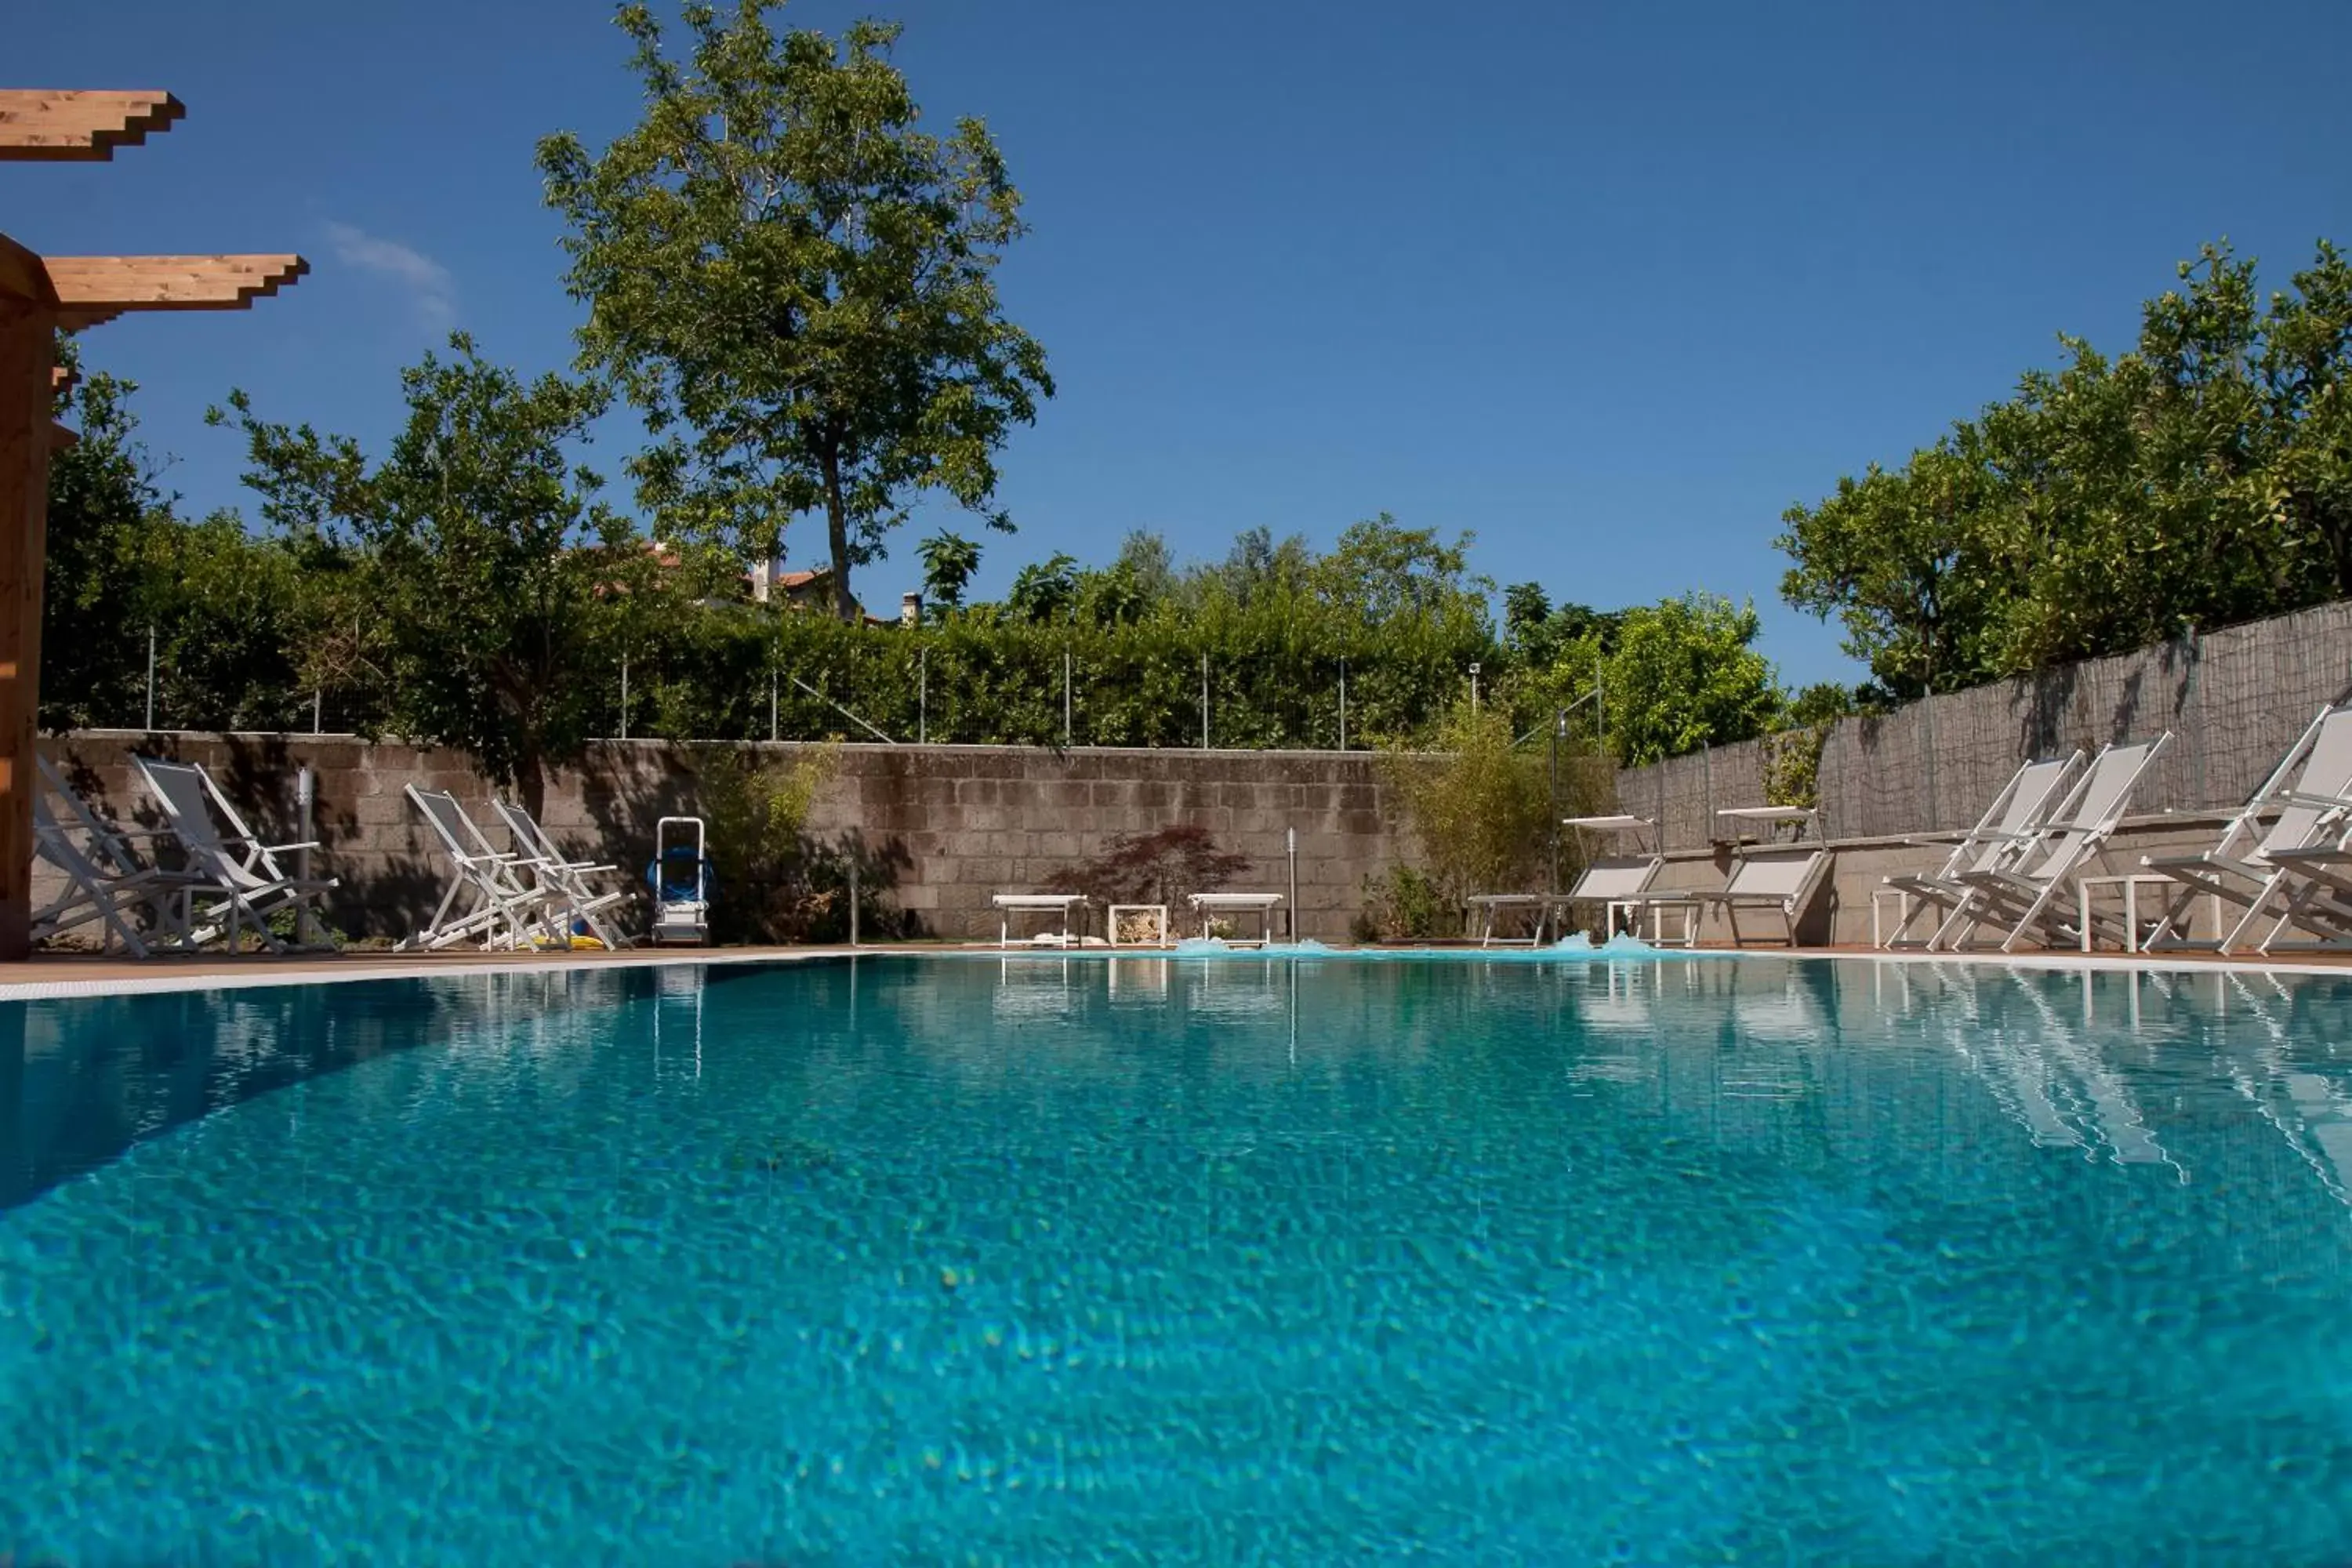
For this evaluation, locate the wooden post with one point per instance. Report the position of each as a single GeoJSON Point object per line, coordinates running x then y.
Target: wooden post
{"type": "Point", "coordinates": [27, 354]}
{"type": "Point", "coordinates": [40, 296]}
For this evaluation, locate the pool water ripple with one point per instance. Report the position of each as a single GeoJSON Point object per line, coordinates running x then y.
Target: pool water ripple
{"type": "Point", "coordinates": [1062, 1261]}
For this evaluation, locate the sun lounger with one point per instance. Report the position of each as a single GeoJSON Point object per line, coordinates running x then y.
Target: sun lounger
{"type": "Point", "coordinates": [2309, 797]}
{"type": "Point", "coordinates": [234, 869]}
{"type": "Point", "coordinates": [1615, 882]}
{"type": "Point", "coordinates": [2008, 824]}
{"type": "Point", "coordinates": [501, 908]}
{"type": "Point", "coordinates": [565, 881]}
{"type": "Point", "coordinates": [1010, 904]}
{"type": "Point", "coordinates": [2022, 897]}
{"type": "Point", "coordinates": [107, 880]}
{"type": "Point", "coordinates": [1208, 906]}
{"type": "Point", "coordinates": [1769, 877]}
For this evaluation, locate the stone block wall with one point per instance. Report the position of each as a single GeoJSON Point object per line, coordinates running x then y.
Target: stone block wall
{"type": "Point", "coordinates": [944, 826]}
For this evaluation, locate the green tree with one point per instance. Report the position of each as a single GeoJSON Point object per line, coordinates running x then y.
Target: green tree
{"type": "Point", "coordinates": [1045, 592]}
{"type": "Point", "coordinates": [498, 578]}
{"type": "Point", "coordinates": [2202, 478]}
{"type": "Point", "coordinates": [1684, 674]}
{"type": "Point", "coordinates": [1904, 560]}
{"type": "Point", "coordinates": [950, 560]}
{"type": "Point", "coordinates": [796, 285]}
{"type": "Point", "coordinates": [105, 510]}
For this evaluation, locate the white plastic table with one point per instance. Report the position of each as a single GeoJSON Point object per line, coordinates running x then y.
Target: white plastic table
{"type": "Point", "coordinates": [1208, 904]}
{"type": "Point", "coordinates": [2130, 884]}
{"type": "Point", "coordinates": [1493, 903]}
{"type": "Point", "coordinates": [1008, 904]}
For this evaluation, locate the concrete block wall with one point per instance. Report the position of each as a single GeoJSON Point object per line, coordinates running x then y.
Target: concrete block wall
{"type": "Point", "coordinates": [949, 825]}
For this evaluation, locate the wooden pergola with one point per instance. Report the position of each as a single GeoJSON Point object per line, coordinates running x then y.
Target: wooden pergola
{"type": "Point", "coordinates": [41, 297]}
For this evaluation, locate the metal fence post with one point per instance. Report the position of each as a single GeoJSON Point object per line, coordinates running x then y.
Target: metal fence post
{"type": "Point", "coordinates": [2193, 712]}
{"type": "Point", "coordinates": [624, 697]}
{"type": "Point", "coordinates": [1927, 731]}
{"type": "Point", "coordinates": [1065, 700]}
{"type": "Point", "coordinates": [922, 696]}
{"type": "Point", "coordinates": [1204, 702]}
{"type": "Point", "coordinates": [318, 709]}
{"type": "Point", "coordinates": [1290, 914]}
{"type": "Point", "coordinates": [852, 896]}
{"type": "Point", "coordinates": [1343, 704]}
{"type": "Point", "coordinates": [774, 734]}
{"type": "Point", "coordinates": [306, 790]}
{"type": "Point", "coordinates": [1559, 729]}
{"type": "Point", "coordinates": [151, 678]}
{"type": "Point", "coordinates": [1600, 705]}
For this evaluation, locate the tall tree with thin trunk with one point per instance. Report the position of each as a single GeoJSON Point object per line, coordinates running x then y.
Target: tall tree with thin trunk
{"type": "Point", "coordinates": [496, 574]}
{"type": "Point", "coordinates": [796, 286]}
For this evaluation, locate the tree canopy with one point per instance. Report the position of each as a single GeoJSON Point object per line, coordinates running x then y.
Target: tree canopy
{"type": "Point", "coordinates": [2204, 478]}
{"type": "Point", "coordinates": [796, 284]}
{"type": "Point", "coordinates": [482, 568]}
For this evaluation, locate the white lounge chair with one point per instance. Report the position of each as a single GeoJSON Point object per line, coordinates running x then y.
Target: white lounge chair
{"type": "Point", "coordinates": [502, 909]}
{"type": "Point", "coordinates": [1615, 882]}
{"type": "Point", "coordinates": [565, 881]}
{"type": "Point", "coordinates": [1770, 877]}
{"type": "Point", "coordinates": [2310, 792]}
{"type": "Point", "coordinates": [1777, 878]}
{"type": "Point", "coordinates": [236, 870]}
{"type": "Point", "coordinates": [2022, 897]}
{"type": "Point", "coordinates": [2008, 824]}
{"type": "Point", "coordinates": [1010, 904]}
{"type": "Point", "coordinates": [106, 879]}
{"type": "Point", "coordinates": [1208, 906]}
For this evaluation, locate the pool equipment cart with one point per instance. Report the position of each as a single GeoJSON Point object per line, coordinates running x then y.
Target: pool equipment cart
{"type": "Point", "coordinates": [682, 880]}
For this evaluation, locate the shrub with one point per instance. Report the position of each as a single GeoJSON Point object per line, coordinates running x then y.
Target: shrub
{"type": "Point", "coordinates": [1404, 905]}
{"type": "Point", "coordinates": [775, 883]}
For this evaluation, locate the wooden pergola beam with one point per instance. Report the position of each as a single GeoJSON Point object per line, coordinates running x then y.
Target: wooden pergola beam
{"type": "Point", "coordinates": [93, 288]}
{"type": "Point", "coordinates": [75, 125]}
{"type": "Point", "coordinates": [39, 298]}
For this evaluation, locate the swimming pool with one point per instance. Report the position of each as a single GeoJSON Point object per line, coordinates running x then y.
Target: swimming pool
{"type": "Point", "coordinates": [1060, 1259]}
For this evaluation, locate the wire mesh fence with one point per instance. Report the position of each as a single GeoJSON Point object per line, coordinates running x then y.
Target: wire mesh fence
{"type": "Point", "coordinates": [882, 687]}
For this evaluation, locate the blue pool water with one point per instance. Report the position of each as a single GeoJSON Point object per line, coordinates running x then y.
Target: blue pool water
{"type": "Point", "coordinates": [1238, 1261]}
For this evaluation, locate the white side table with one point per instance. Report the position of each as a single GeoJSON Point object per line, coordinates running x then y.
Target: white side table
{"type": "Point", "coordinates": [2130, 883]}
{"type": "Point", "coordinates": [1157, 910]}
{"type": "Point", "coordinates": [1903, 902]}
{"type": "Point", "coordinates": [1693, 911]}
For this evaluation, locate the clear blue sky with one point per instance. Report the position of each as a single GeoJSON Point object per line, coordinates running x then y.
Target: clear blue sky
{"type": "Point", "coordinates": [1610, 285]}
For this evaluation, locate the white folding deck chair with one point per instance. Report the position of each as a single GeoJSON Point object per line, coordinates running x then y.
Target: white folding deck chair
{"type": "Point", "coordinates": [2007, 825]}
{"type": "Point", "coordinates": [2021, 897]}
{"type": "Point", "coordinates": [106, 879]}
{"type": "Point", "coordinates": [2311, 792]}
{"type": "Point", "coordinates": [566, 879]}
{"type": "Point", "coordinates": [503, 911]}
{"type": "Point", "coordinates": [234, 868]}
{"type": "Point", "coordinates": [1615, 881]}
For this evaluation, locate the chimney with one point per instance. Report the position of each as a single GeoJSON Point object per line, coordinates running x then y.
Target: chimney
{"type": "Point", "coordinates": [910, 609]}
